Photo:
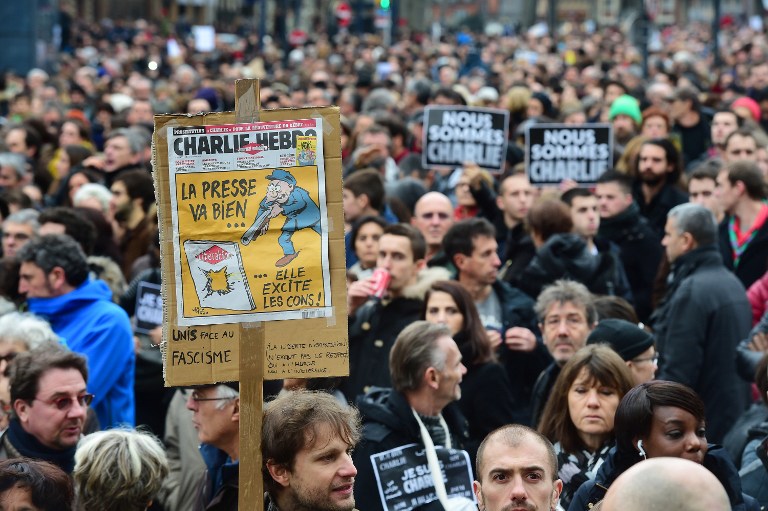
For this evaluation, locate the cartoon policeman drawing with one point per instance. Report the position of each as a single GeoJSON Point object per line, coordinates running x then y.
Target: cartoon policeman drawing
{"type": "Point", "coordinates": [300, 211]}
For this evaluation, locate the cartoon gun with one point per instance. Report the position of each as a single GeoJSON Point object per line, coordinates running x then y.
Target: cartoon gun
{"type": "Point", "coordinates": [259, 227]}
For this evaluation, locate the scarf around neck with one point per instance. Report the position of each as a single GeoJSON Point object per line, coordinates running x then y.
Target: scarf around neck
{"type": "Point", "coordinates": [27, 445]}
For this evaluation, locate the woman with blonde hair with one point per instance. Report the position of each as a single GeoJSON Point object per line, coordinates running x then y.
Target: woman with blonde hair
{"type": "Point", "coordinates": [119, 470]}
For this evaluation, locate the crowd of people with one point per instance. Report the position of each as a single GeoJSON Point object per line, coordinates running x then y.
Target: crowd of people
{"type": "Point", "coordinates": [533, 346]}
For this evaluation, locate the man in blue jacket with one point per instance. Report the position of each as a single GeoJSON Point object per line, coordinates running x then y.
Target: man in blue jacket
{"type": "Point", "coordinates": [54, 278]}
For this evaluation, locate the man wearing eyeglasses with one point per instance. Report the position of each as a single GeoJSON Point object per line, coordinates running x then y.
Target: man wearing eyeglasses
{"type": "Point", "coordinates": [54, 277]}
{"type": "Point", "coordinates": [49, 404]}
{"type": "Point", "coordinates": [216, 417]}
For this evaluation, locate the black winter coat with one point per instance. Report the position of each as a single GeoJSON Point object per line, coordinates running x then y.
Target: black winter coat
{"type": "Point", "coordinates": [566, 256]}
{"type": "Point", "coordinates": [640, 250]}
{"type": "Point", "coordinates": [373, 330]}
{"type": "Point", "coordinates": [716, 461]}
{"type": "Point", "coordinates": [522, 367]}
{"type": "Point", "coordinates": [656, 211]}
{"type": "Point", "coordinates": [388, 423]}
{"type": "Point", "coordinates": [698, 326]}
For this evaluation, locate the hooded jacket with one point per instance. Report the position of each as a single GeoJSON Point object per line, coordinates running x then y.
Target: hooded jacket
{"type": "Point", "coordinates": [716, 461]}
{"type": "Point", "coordinates": [373, 330]}
{"type": "Point", "coordinates": [388, 423]}
{"type": "Point", "coordinates": [94, 326]}
{"type": "Point", "coordinates": [566, 256]}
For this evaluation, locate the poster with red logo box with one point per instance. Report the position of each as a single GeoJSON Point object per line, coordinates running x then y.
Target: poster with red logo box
{"type": "Point", "coordinates": [252, 242]}
{"type": "Point", "coordinates": [250, 223]}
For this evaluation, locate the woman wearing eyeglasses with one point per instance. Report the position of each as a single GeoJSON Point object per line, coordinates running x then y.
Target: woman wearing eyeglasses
{"type": "Point", "coordinates": [578, 418]}
{"type": "Point", "coordinates": [662, 419]}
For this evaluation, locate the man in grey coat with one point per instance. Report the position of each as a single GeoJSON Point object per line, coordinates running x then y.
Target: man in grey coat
{"type": "Point", "coordinates": [702, 318]}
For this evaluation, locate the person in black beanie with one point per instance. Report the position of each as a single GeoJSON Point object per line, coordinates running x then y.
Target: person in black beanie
{"type": "Point", "coordinates": [632, 343]}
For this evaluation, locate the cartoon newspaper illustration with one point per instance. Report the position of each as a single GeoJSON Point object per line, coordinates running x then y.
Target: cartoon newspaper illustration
{"type": "Point", "coordinates": [217, 271]}
{"type": "Point", "coordinates": [300, 211]}
{"type": "Point", "coordinates": [249, 212]}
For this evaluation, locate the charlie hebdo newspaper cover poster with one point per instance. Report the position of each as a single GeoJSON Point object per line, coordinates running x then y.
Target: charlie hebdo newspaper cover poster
{"type": "Point", "coordinates": [249, 222]}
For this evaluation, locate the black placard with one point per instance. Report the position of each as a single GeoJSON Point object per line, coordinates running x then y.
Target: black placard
{"type": "Point", "coordinates": [405, 482]}
{"type": "Point", "coordinates": [454, 135]}
{"type": "Point", "coordinates": [554, 152]}
{"type": "Point", "coordinates": [149, 307]}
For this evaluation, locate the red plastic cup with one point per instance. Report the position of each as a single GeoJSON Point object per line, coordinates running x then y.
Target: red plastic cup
{"type": "Point", "coordinates": [381, 278]}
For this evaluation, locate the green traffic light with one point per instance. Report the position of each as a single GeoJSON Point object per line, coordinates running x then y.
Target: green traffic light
{"type": "Point", "coordinates": [384, 4]}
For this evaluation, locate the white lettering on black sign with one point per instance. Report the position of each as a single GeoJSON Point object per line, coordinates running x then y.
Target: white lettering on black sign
{"type": "Point", "coordinates": [149, 307]}
{"type": "Point", "coordinates": [405, 482]}
{"type": "Point", "coordinates": [453, 136]}
{"type": "Point", "coordinates": [557, 152]}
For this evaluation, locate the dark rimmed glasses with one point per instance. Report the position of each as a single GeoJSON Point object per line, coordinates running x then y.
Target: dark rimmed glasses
{"type": "Point", "coordinates": [64, 403]}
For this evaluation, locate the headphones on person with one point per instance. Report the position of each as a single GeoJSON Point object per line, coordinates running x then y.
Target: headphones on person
{"type": "Point", "coordinates": [641, 451]}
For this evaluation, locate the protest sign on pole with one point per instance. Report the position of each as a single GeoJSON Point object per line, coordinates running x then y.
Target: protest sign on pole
{"type": "Point", "coordinates": [455, 135]}
{"type": "Point", "coordinates": [252, 289]}
{"type": "Point", "coordinates": [554, 152]}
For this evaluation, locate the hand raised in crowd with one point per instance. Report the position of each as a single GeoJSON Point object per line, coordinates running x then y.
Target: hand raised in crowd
{"type": "Point", "coordinates": [358, 293]}
{"type": "Point", "coordinates": [95, 161]}
{"type": "Point", "coordinates": [473, 171]}
{"type": "Point", "coordinates": [518, 338]}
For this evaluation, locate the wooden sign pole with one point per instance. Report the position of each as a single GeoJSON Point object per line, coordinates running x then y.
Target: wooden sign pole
{"type": "Point", "coordinates": [312, 345]}
{"type": "Point", "coordinates": [252, 350]}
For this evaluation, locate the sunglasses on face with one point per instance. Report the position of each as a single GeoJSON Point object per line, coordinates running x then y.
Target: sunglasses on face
{"type": "Point", "coordinates": [65, 402]}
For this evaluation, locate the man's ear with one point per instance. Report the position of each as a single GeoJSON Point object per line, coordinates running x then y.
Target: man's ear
{"type": "Point", "coordinates": [478, 489]}
{"type": "Point", "coordinates": [690, 243]}
{"type": "Point", "coordinates": [236, 411]}
{"type": "Point", "coordinates": [21, 408]}
{"type": "Point", "coordinates": [57, 278]}
{"type": "Point", "coordinates": [279, 473]}
{"type": "Point", "coordinates": [556, 491]}
{"type": "Point", "coordinates": [421, 264]}
{"type": "Point", "coordinates": [459, 260]}
{"type": "Point", "coordinates": [432, 377]}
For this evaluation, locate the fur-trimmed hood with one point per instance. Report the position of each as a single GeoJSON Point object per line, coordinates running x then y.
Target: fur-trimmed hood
{"type": "Point", "coordinates": [426, 278]}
